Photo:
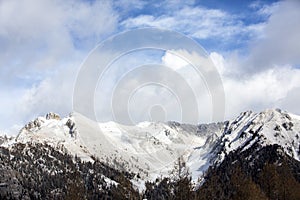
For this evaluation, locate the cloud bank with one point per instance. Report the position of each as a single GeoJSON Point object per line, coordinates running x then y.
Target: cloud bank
{"type": "Point", "coordinates": [43, 43]}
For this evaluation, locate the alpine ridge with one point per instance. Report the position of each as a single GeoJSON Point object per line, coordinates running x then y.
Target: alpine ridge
{"type": "Point", "coordinates": [152, 151]}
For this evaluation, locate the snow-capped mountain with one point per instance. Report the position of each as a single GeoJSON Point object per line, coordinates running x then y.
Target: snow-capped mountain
{"type": "Point", "coordinates": [152, 149]}
{"type": "Point", "coordinates": [54, 131]}
{"type": "Point", "coordinates": [269, 127]}
{"type": "Point", "coordinates": [149, 148]}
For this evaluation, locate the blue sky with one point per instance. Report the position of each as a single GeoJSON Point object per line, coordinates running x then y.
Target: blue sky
{"type": "Point", "coordinates": [254, 45]}
{"type": "Point", "coordinates": [240, 13]}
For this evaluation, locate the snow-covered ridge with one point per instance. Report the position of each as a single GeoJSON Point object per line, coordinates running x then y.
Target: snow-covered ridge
{"type": "Point", "coordinates": [149, 148]}
{"type": "Point", "coordinates": [272, 126]}
{"type": "Point", "coordinates": [55, 131]}
{"type": "Point", "coordinates": [153, 148]}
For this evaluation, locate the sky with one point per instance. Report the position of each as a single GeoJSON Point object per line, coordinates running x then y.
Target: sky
{"type": "Point", "coordinates": [254, 45]}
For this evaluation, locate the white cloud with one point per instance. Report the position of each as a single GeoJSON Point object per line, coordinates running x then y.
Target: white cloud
{"type": "Point", "coordinates": [219, 62]}
{"type": "Point", "coordinates": [177, 87]}
{"type": "Point", "coordinates": [276, 87]}
{"type": "Point", "coordinates": [41, 34]}
{"type": "Point", "coordinates": [266, 76]}
{"type": "Point", "coordinates": [280, 44]}
{"type": "Point", "coordinates": [198, 22]}
{"type": "Point", "coordinates": [173, 61]}
{"type": "Point", "coordinates": [264, 9]}
{"type": "Point", "coordinates": [43, 42]}
{"type": "Point", "coordinates": [42, 45]}
{"type": "Point", "coordinates": [54, 93]}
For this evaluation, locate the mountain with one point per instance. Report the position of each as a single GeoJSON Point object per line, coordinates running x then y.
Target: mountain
{"type": "Point", "coordinates": [149, 148]}
{"type": "Point", "coordinates": [156, 159]}
{"type": "Point", "coordinates": [266, 128]}
{"type": "Point", "coordinates": [258, 158]}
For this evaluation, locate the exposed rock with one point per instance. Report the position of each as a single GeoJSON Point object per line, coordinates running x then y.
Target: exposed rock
{"type": "Point", "coordinates": [52, 115]}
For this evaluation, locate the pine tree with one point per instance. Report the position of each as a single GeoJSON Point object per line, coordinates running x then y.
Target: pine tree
{"type": "Point", "coordinates": [244, 188]}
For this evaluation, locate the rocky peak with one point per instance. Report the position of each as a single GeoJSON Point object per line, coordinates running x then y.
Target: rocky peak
{"type": "Point", "coordinates": [34, 124]}
{"type": "Point", "coordinates": [269, 127]}
{"type": "Point", "coordinates": [52, 115]}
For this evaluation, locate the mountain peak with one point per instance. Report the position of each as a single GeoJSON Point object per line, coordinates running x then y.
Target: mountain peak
{"type": "Point", "coordinates": [52, 115]}
{"type": "Point", "coordinates": [152, 148]}
{"type": "Point", "coordinates": [269, 127]}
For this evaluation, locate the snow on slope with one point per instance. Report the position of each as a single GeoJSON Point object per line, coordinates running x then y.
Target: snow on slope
{"type": "Point", "coordinates": [152, 149]}
{"type": "Point", "coordinates": [265, 128]}
{"type": "Point", "coordinates": [54, 131]}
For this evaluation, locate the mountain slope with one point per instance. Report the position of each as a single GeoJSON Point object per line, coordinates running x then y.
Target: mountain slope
{"type": "Point", "coordinates": [39, 171]}
{"type": "Point", "coordinates": [150, 149]}
{"type": "Point", "coordinates": [154, 150]}
{"type": "Point", "coordinates": [265, 128]}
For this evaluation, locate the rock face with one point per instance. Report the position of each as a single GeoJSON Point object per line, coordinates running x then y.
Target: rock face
{"type": "Point", "coordinates": [35, 124]}
{"type": "Point", "coordinates": [73, 130]}
{"type": "Point", "coordinates": [52, 115]}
